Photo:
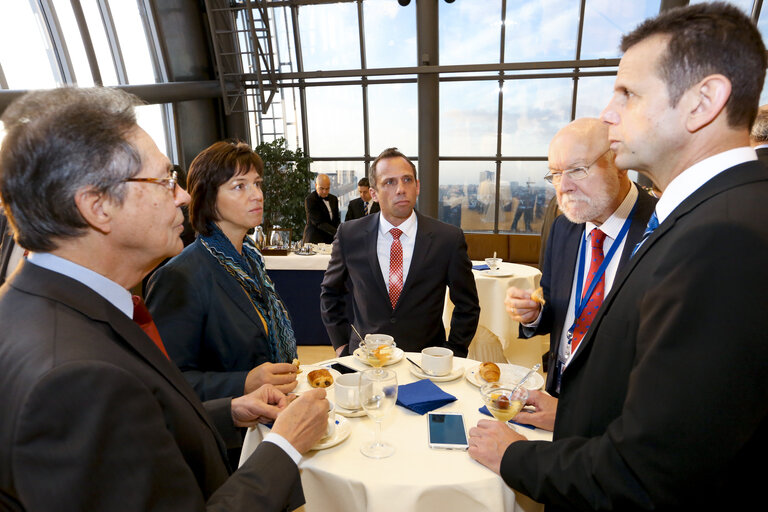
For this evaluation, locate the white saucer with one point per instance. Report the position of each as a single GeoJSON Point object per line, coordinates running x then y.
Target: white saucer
{"type": "Point", "coordinates": [397, 356]}
{"type": "Point", "coordinates": [349, 413]}
{"type": "Point", "coordinates": [510, 374]}
{"type": "Point", "coordinates": [455, 374]}
{"type": "Point", "coordinates": [303, 384]}
{"type": "Point", "coordinates": [342, 431]}
{"type": "Point", "coordinates": [498, 273]}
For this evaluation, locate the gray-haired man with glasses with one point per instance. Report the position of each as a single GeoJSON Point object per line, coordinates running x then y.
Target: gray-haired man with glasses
{"type": "Point", "coordinates": [604, 217]}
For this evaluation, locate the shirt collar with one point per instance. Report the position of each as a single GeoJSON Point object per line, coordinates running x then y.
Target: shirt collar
{"type": "Point", "coordinates": [110, 290]}
{"type": "Point", "coordinates": [408, 227]}
{"type": "Point", "coordinates": [613, 224]}
{"type": "Point", "coordinates": [691, 179]}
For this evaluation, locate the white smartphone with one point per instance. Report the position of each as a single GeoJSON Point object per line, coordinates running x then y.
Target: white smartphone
{"type": "Point", "coordinates": [446, 430]}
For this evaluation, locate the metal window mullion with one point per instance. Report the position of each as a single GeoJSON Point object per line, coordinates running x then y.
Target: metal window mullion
{"type": "Point", "coordinates": [364, 65]}
{"type": "Point", "coordinates": [500, 119]}
{"type": "Point", "coordinates": [756, 7]}
{"type": "Point", "coordinates": [155, 48]}
{"type": "Point", "coordinates": [112, 40]}
{"type": "Point", "coordinates": [579, 35]}
{"type": "Point", "coordinates": [60, 56]}
{"type": "Point", "coordinates": [85, 35]}
{"type": "Point", "coordinates": [302, 88]}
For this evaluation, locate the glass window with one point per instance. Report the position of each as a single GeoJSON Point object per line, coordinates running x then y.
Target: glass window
{"type": "Point", "coordinates": [133, 42]}
{"type": "Point", "coordinates": [470, 32]}
{"type": "Point", "coordinates": [534, 110]}
{"type": "Point", "coordinates": [523, 197]}
{"type": "Point", "coordinates": [26, 53]}
{"type": "Point", "coordinates": [344, 177]}
{"type": "Point", "coordinates": [150, 119]}
{"type": "Point", "coordinates": [467, 194]}
{"type": "Point", "coordinates": [468, 118]}
{"type": "Point", "coordinates": [335, 121]}
{"type": "Point", "coordinates": [540, 30]}
{"type": "Point", "coordinates": [390, 34]}
{"type": "Point", "coordinates": [74, 42]}
{"type": "Point", "coordinates": [329, 36]}
{"type": "Point", "coordinates": [605, 21]}
{"type": "Point", "coordinates": [593, 95]}
{"type": "Point", "coordinates": [100, 42]}
{"type": "Point", "coordinates": [393, 118]}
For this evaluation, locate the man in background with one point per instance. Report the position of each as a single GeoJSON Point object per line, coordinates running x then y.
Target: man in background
{"type": "Point", "coordinates": [604, 217]}
{"type": "Point", "coordinates": [363, 205]}
{"type": "Point", "coordinates": [322, 209]}
{"type": "Point", "coordinates": [398, 264]}
{"type": "Point", "coordinates": [663, 407]}
{"type": "Point", "coordinates": [758, 137]}
{"type": "Point", "coordinates": [95, 415]}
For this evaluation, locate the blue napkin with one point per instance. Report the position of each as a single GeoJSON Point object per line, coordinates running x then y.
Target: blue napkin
{"type": "Point", "coordinates": [422, 396]}
{"type": "Point", "coordinates": [485, 411]}
{"type": "Point", "coordinates": [481, 267]}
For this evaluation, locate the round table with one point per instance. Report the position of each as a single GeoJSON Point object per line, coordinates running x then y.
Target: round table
{"type": "Point", "coordinates": [416, 477]}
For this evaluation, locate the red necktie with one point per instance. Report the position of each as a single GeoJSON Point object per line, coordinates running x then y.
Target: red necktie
{"type": "Point", "coordinates": [596, 299]}
{"type": "Point", "coordinates": [395, 267]}
{"type": "Point", "coordinates": [144, 320]}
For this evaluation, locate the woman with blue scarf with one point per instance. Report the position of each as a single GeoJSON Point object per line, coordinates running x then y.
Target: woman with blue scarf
{"type": "Point", "coordinates": [218, 313]}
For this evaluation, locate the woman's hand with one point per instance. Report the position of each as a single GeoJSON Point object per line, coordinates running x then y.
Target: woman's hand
{"type": "Point", "coordinates": [280, 375]}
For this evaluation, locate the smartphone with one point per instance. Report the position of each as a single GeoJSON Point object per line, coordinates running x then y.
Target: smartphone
{"type": "Point", "coordinates": [342, 368]}
{"type": "Point", "coordinates": [446, 430]}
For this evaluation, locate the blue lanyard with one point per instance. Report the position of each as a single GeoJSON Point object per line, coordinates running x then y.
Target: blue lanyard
{"type": "Point", "coordinates": [581, 302]}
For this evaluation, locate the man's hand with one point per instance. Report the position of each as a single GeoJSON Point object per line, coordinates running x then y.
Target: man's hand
{"type": "Point", "coordinates": [260, 406]}
{"type": "Point", "coordinates": [544, 415]}
{"type": "Point", "coordinates": [280, 375]}
{"type": "Point", "coordinates": [520, 306]}
{"type": "Point", "coordinates": [305, 421]}
{"type": "Point", "coordinates": [489, 440]}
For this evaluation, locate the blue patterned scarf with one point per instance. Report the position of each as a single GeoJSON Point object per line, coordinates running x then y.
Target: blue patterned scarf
{"type": "Point", "coordinates": [248, 269]}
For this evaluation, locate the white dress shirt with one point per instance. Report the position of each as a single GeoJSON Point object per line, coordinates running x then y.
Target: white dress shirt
{"type": "Point", "coordinates": [407, 240]}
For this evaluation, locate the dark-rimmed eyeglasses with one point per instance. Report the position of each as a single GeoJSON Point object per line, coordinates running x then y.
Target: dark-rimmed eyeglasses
{"type": "Point", "coordinates": [576, 173]}
{"type": "Point", "coordinates": [169, 183]}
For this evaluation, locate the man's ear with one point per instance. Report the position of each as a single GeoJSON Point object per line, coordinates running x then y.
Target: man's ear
{"type": "Point", "coordinates": [705, 101]}
{"type": "Point", "coordinates": [96, 208]}
{"type": "Point", "coordinates": [373, 194]}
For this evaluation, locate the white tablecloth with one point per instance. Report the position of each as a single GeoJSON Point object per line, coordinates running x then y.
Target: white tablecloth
{"type": "Point", "coordinates": [494, 319]}
{"type": "Point", "coordinates": [416, 477]}
{"type": "Point", "coordinates": [293, 261]}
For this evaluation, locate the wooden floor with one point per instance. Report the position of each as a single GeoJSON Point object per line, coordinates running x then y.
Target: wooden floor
{"type": "Point", "coordinates": [310, 354]}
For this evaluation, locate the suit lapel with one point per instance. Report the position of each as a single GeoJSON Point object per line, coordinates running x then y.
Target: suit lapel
{"type": "Point", "coordinates": [371, 241]}
{"type": "Point", "coordinates": [420, 250]}
{"type": "Point", "coordinates": [238, 295]}
{"type": "Point", "coordinates": [645, 205]}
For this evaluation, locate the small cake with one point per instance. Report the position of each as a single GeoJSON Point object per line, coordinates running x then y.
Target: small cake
{"type": "Point", "coordinates": [490, 372]}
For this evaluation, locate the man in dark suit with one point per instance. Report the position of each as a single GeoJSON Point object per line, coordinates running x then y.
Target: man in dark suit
{"type": "Point", "coordinates": [664, 405]}
{"type": "Point", "coordinates": [758, 137]}
{"type": "Point", "coordinates": [322, 209]}
{"type": "Point", "coordinates": [596, 198]}
{"type": "Point", "coordinates": [397, 264]}
{"type": "Point", "coordinates": [95, 415]}
{"type": "Point", "coordinates": [10, 253]}
{"type": "Point", "coordinates": [363, 205]}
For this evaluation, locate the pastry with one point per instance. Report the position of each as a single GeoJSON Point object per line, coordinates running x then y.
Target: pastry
{"type": "Point", "coordinates": [538, 295]}
{"type": "Point", "coordinates": [297, 364]}
{"type": "Point", "coordinates": [320, 378]}
{"type": "Point", "coordinates": [490, 372]}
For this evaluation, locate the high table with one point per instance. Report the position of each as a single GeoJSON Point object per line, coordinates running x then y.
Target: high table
{"type": "Point", "coordinates": [297, 279]}
{"type": "Point", "coordinates": [494, 319]}
{"type": "Point", "coordinates": [416, 477]}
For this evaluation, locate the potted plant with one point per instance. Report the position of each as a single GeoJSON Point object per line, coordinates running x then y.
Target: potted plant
{"type": "Point", "coordinates": [286, 184]}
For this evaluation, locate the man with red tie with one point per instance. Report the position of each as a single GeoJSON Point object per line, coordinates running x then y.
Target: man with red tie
{"type": "Point", "coordinates": [605, 215]}
{"type": "Point", "coordinates": [397, 264]}
{"type": "Point", "coordinates": [95, 415]}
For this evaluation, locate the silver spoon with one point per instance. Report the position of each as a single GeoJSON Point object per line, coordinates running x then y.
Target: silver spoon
{"type": "Point", "coordinates": [358, 334]}
{"type": "Point", "coordinates": [527, 375]}
{"type": "Point", "coordinates": [417, 366]}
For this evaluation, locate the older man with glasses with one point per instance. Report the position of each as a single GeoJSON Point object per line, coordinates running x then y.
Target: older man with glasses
{"type": "Point", "coordinates": [604, 218]}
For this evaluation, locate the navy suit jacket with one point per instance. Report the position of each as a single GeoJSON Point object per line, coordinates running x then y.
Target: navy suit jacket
{"type": "Point", "coordinates": [95, 417]}
{"type": "Point", "coordinates": [355, 209]}
{"type": "Point", "coordinates": [762, 155]}
{"type": "Point", "coordinates": [439, 260]}
{"type": "Point", "coordinates": [663, 407]}
{"type": "Point", "coordinates": [321, 225]}
{"type": "Point", "coordinates": [557, 274]}
{"type": "Point", "coordinates": [208, 324]}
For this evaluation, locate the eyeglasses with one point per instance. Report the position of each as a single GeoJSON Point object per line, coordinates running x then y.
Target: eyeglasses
{"type": "Point", "coordinates": [577, 173]}
{"type": "Point", "coordinates": [169, 183]}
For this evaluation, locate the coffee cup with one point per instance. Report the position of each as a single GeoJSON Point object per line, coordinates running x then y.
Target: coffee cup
{"type": "Point", "coordinates": [331, 429]}
{"type": "Point", "coordinates": [347, 391]}
{"type": "Point", "coordinates": [437, 361]}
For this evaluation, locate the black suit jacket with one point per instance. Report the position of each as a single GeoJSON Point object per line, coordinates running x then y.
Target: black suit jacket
{"type": "Point", "coordinates": [95, 417]}
{"type": "Point", "coordinates": [356, 206]}
{"type": "Point", "coordinates": [321, 226]}
{"type": "Point", "coordinates": [439, 260]}
{"type": "Point", "coordinates": [6, 246]}
{"type": "Point", "coordinates": [208, 324]}
{"type": "Point", "coordinates": [665, 405]}
{"type": "Point", "coordinates": [557, 274]}
{"type": "Point", "coordinates": [762, 155]}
